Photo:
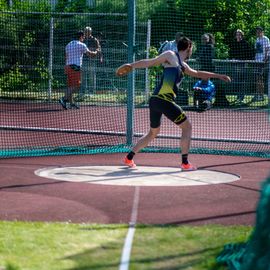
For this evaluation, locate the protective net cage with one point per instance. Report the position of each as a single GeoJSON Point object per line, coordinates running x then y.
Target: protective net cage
{"type": "Point", "coordinates": [112, 111]}
{"type": "Point", "coordinates": [255, 253]}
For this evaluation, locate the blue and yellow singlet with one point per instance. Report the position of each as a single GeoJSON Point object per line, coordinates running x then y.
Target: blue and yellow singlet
{"type": "Point", "coordinates": [170, 82]}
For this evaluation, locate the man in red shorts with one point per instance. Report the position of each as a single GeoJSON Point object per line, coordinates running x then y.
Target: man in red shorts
{"type": "Point", "coordinates": [74, 52]}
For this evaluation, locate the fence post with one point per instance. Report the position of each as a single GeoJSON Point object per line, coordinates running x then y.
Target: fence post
{"type": "Point", "coordinates": [148, 41]}
{"type": "Point", "coordinates": [131, 78]}
{"type": "Point", "coordinates": [50, 60]}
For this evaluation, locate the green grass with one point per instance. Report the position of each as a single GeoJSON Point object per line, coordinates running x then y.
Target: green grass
{"type": "Point", "coordinates": [66, 246]}
{"type": "Point", "coordinates": [59, 245]}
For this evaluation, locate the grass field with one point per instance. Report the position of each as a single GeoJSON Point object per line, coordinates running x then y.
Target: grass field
{"type": "Point", "coordinates": [66, 246]}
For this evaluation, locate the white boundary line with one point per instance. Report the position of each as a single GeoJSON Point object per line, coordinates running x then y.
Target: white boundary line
{"type": "Point", "coordinates": [125, 258]}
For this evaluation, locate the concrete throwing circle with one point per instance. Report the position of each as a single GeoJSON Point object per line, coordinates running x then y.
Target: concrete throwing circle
{"type": "Point", "coordinates": [139, 176]}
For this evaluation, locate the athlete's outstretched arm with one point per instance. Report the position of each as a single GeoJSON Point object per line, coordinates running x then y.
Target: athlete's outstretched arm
{"type": "Point", "coordinates": [205, 75]}
{"type": "Point", "coordinates": [166, 57]}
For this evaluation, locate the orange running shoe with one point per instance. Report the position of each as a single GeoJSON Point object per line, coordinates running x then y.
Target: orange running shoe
{"type": "Point", "coordinates": [188, 167]}
{"type": "Point", "coordinates": [129, 163]}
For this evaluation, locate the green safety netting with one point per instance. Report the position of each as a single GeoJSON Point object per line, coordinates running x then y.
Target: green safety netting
{"type": "Point", "coordinates": [113, 111]}
{"type": "Point", "coordinates": [255, 253]}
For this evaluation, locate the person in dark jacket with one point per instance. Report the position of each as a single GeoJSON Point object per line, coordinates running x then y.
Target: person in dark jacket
{"type": "Point", "coordinates": [207, 52]}
{"type": "Point", "coordinates": [240, 50]}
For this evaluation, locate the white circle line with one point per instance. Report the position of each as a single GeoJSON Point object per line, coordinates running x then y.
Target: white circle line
{"type": "Point", "coordinates": [140, 176]}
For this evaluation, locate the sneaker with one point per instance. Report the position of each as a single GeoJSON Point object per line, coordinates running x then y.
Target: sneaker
{"type": "Point", "coordinates": [74, 106]}
{"type": "Point", "coordinates": [240, 98]}
{"type": "Point", "coordinates": [129, 163]}
{"type": "Point", "coordinates": [63, 103]}
{"type": "Point", "coordinates": [188, 167]}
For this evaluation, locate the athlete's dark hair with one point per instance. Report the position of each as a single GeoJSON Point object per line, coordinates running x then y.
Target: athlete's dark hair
{"type": "Point", "coordinates": [79, 34]}
{"type": "Point", "coordinates": [183, 43]}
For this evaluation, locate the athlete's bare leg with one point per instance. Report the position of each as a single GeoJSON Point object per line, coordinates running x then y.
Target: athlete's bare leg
{"type": "Point", "coordinates": [185, 146]}
{"type": "Point", "coordinates": [146, 139]}
{"type": "Point", "coordinates": [186, 136]}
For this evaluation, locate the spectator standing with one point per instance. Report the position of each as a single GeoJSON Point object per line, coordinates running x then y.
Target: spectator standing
{"type": "Point", "coordinates": [262, 50]}
{"type": "Point", "coordinates": [89, 66]}
{"type": "Point", "coordinates": [74, 52]}
{"type": "Point", "coordinates": [240, 50]}
{"type": "Point", "coordinates": [206, 56]}
{"type": "Point", "coordinates": [170, 45]}
{"type": "Point", "coordinates": [207, 52]}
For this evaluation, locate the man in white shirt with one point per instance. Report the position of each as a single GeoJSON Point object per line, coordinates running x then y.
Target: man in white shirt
{"type": "Point", "coordinates": [262, 49]}
{"type": "Point", "coordinates": [170, 45]}
{"type": "Point", "coordinates": [74, 52]}
{"type": "Point", "coordinates": [262, 46]}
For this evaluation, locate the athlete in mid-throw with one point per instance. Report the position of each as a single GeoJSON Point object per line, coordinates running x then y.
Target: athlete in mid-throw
{"type": "Point", "coordinates": [163, 99]}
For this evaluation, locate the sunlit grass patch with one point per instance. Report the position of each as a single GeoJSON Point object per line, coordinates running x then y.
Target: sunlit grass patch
{"type": "Point", "coordinates": [66, 246]}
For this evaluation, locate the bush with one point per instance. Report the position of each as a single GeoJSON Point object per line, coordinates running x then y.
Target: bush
{"type": "Point", "coordinates": [15, 80]}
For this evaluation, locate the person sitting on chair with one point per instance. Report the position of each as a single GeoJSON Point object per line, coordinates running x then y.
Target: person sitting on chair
{"type": "Point", "coordinates": [204, 92]}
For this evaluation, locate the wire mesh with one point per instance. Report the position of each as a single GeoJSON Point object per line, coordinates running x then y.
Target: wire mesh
{"type": "Point", "coordinates": [32, 60]}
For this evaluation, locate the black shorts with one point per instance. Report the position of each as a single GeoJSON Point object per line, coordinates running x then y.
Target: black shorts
{"type": "Point", "coordinates": [75, 67]}
{"type": "Point", "coordinates": [170, 109]}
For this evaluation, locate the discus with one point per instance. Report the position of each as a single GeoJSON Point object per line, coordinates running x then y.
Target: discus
{"type": "Point", "coordinates": [123, 70]}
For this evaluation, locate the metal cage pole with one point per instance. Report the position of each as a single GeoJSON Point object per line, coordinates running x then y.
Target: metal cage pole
{"type": "Point", "coordinates": [131, 77]}
{"type": "Point", "coordinates": [50, 60]}
{"type": "Point", "coordinates": [148, 41]}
